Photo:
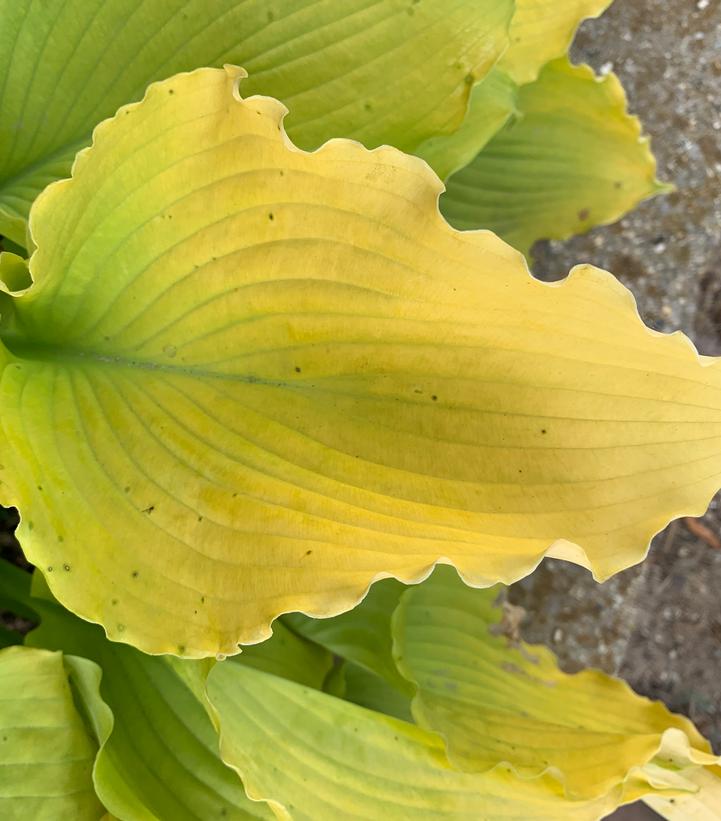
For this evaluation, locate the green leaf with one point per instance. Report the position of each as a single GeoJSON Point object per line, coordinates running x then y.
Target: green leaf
{"type": "Point", "coordinates": [313, 756]}
{"type": "Point", "coordinates": [370, 690]}
{"type": "Point", "coordinates": [393, 72]}
{"type": "Point", "coordinates": [159, 754]}
{"type": "Point", "coordinates": [496, 700]}
{"type": "Point", "coordinates": [541, 31]}
{"type": "Point", "coordinates": [47, 752]}
{"type": "Point", "coordinates": [574, 159]}
{"type": "Point", "coordinates": [493, 102]}
{"type": "Point", "coordinates": [15, 590]}
{"type": "Point", "coordinates": [288, 655]}
{"type": "Point", "coordinates": [362, 635]}
{"type": "Point", "coordinates": [289, 377]}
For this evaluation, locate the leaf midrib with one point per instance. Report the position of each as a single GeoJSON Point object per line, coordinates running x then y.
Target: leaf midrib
{"type": "Point", "coordinates": [24, 349]}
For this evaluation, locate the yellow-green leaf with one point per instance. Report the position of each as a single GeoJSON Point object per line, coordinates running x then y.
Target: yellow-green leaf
{"type": "Point", "coordinates": [702, 805]}
{"type": "Point", "coordinates": [392, 72]}
{"type": "Point", "coordinates": [250, 380]}
{"type": "Point", "coordinates": [313, 756]}
{"type": "Point", "coordinates": [541, 31]}
{"type": "Point", "coordinates": [494, 700]}
{"type": "Point", "coordinates": [493, 102]}
{"type": "Point", "coordinates": [158, 759]}
{"type": "Point", "coordinates": [46, 751]}
{"type": "Point", "coordinates": [574, 159]}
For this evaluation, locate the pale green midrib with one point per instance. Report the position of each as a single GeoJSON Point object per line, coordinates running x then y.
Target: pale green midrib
{"type": "Point", "coordinates": [24, 349]}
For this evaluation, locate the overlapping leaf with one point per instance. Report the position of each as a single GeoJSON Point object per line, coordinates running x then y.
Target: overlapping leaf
{"type": "Point", "coordinates": [497, 701]}
{"type": "Point", "coordinates": [314, 756]}
{"type": "Point", "coordinates": [46, 751]}
{"type": "Point", "coordinates": [541, 31]}
{"type": "Point", "coordinates": [573, 159]}
{"type": "Point", "coordinates": [341, 67]}
{"type": "Point", "coordinates": [286, 376]}
{"type": "Point", "coordinates": [702, 805]}
{"type": "Point", "coordinates": [158, 759]}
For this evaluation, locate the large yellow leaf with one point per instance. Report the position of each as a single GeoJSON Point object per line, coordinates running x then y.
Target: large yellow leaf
{"type": "Point", "coordinates": [393, 72]}
{"type": "Point", "coordinates": [251, 380]}
{"type": "Point", "coordinates": [495, 700]}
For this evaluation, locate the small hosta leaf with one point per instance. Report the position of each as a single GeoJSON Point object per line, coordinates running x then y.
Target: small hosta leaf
{"type": "Point", "coordinates": [313, 756]}
{"type": "Point", "coordinates": [574, 159]}
{"type": "Point", "coordinates": [392, 72]}
{"type": "Point", "coordinates": [541, 31]}
{"type": "Point", "coordinates": [159, 755]}
{"type": "Point", "coordinates": [46, 751]}
{"type": "Point", "coordinates": [495, 700]}
{"type": "Point", "coordinates": [249, 380]}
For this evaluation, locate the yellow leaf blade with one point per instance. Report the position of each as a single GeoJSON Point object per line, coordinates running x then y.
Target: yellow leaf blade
{"type": "Point", "coordinates": [250, 380]}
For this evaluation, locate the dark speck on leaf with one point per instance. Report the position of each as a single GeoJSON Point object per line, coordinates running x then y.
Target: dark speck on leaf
{"type": "Point", "coordinates": [200, 518]}
{"type": "Point", "coordinates": [543, 430]}
{"type": "Point", "coordinates": [297, 369]}
{"type": "Point", "coordinates": [113, 602]}
{"type": "Point", "coordinates": [149, 509]}
{"type": "Point", "coordinates": [134, 574]}
{"type": "Point", "coordinates": [271, 217]}
{"type": "Point", "coordinates": [434, 398]}
{"type": "Point", "coordinates": [308, 552]}
{"type": "Point", "coordinates": [127, 488]}
{"type": "Point", "coordinates": [171, 91]}
{"type": "Point", "coordinates": [66, 568]}
{"type": "Point", "coordinates": [181, 648]}
{"type": "Point", "coordinates": [50, 568]}
{"type": "Point", "coordinates": [584, 214]}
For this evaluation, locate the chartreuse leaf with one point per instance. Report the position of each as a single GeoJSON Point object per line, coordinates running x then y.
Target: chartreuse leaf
{"type": "Point", "coordinates": [574, 159]}
{"type": "Point", "coordinates": [286, 377]}
{"type": "Point", "coordinates": [159, 752]}
{"type": "Point", "coordinates": [493, 102]}
{"type": "Point", "coordinates": [497, 701]}
{"type": "Point", "coordinates": [313, 756]}
{"type": "Point", "coordinates": [393, 72]}
{"type": "Point", "coordinates": [702, 805]}
{"type": "Point", "coordinates": [541, 31]}
{"type": "Point", "coordinates": [47, 753]}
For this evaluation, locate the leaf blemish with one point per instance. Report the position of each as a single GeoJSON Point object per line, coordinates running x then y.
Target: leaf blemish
{"type": "Point", "coordinates": [584, 214]}
{"type": "Point", "coordinates": [297, 369]}
{"type": "Point", "coordinates": [134, 574]}
{"type": "Point", "coordinates": [149, 509]}
{"type": "Point", "coordinates": [270, 216]}
{"type": "Point", "coordinates": [66, 568]}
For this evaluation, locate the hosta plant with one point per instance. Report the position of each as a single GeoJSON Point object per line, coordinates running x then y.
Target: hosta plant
{"type": "Point", "coordinates": [247, 374]}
